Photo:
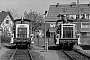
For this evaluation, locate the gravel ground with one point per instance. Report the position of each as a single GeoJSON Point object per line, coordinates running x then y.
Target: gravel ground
{"type": "Point", "coordinates": [7, 55]}
{"type": "Point", "coordinates": [3, 50]}
{"type": "Point", "coordinates": [36, 56]}
{"type": "Point", "coordinates": [86, 52]}
{"type": "Point", "coordinates": [50, 55]}
{"type": "Point", "coordinates": [38, 53]}
{"type": "Point", "coordinates": [62, 56]}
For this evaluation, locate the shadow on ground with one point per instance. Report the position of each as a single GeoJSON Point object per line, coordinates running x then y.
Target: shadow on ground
{"type": "Point", "coordinates": [53, 47]}
{"type": "Point", "coordinates": [85, 47]}
{"type": "Point", "coordinates": [10, 47]}
{"type": "Point", "coordinates": [57, 47]}
{"type": "Point", "coordinates": [14, 47]}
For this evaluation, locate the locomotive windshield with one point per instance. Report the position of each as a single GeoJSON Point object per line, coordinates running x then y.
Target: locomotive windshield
{"type": "Point", "coordinates": [22, 33]}
{"type": "Point", "coordinates": [67, 32]}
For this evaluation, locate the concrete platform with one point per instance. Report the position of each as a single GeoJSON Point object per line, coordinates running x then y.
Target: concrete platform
{"type": "Point", "coordinates": [84, 51]}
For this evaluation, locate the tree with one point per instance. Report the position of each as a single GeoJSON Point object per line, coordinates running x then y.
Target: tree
{"type": "Point", "coordinates": [14, 14]}
{"type": "Point", "coordinates": [36, 19]}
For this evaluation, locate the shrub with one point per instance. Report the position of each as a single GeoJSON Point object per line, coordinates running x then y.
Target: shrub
{"type": "Point", "coordinates": [5, 39]}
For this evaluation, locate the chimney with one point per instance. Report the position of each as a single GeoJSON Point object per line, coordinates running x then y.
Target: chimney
{"type": "Point", "coordinates": [89, 4]}
{"type": "Point", "coordinates": [3, 11]}
{"type": "Point", "coordinates": [73, 3]}
{"type": "Point", "coordinates": [57, 5]}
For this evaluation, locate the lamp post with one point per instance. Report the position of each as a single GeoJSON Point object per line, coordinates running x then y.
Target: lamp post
{"type": "Point", "coordinates": [46, 42]}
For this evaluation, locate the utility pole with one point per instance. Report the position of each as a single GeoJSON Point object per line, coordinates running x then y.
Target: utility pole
{"type": "Point", "coordinates": [46, 42]}
{"type": "Point", "coordinates": [78, 20]}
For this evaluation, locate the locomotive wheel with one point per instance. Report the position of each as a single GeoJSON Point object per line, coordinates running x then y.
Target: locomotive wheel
{"type": "Point", "coordinates": [61, 45]}
{"type": "Point", "coordinates": [16, 45]}
{"type": "Point", "coordinates": [71, 45]}
{"type": "Point", "coordinates": [28, 45]}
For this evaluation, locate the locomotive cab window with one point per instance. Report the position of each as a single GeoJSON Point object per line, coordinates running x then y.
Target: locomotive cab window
{"type": "Point", "coordinates": [22, 32]}
{"type": "Point", "coordinates": [67, 32]}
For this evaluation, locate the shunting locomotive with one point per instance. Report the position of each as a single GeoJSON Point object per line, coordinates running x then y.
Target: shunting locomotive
{"type": "Point", "coordinates": [21, 31]}
{"type": "Point", "coordinates": [65, 34]}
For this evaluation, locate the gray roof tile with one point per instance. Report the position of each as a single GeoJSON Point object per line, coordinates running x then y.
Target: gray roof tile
{"type": "Point", "coordinates": [55, 11]}
{"type": "Point", "coordinates": [3, 16]}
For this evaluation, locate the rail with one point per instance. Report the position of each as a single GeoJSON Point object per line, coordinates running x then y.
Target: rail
{"type": "Point", "coordinates": [68, 55]}
{"type": "Point", "coordinates": [13, 54]}
{"type": "Point", "coordinates": [75, 55]}
{"type": "Point", "coordinates": [23, 54]}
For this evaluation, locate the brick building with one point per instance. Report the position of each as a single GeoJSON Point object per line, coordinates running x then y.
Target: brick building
{"type": "Point", "coordinates": [71, 12]}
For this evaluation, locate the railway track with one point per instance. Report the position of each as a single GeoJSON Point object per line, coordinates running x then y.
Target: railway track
{"type": "Point", "coordinates": [21, 54]}
{"type": "Point", "coordinates": [74, 55]}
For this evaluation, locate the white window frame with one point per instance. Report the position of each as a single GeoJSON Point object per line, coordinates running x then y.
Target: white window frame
{"type": "Point", "coordinates": [74, 16]}
{"type": "Point", "coordinates": [88, 26]}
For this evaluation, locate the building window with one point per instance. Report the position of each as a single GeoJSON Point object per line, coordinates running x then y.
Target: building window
{"type": "Point", "coordinates": [85, 25]}
{"type": "Point", "coordinates": [82, 16]}
{"type": "Point", "coordinates": [77, 16]}
{"type": "Point", "coordinates": [72, 16]}
{"type": "Point", "coordinates": [87, 16]}
{"type": "Point", "coordinates": [7, 21]}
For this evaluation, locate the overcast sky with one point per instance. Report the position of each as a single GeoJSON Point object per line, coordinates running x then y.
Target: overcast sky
{"type": "Point", "coordinates": [36, 5]}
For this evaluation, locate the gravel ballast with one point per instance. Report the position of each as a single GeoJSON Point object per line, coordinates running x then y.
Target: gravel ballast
{"type": "Point", "coordinates": [38, 53]}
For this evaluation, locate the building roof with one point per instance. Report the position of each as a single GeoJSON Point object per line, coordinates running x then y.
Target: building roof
{"type": "Point", "coordinates": [3, 15]}
{"type": "Point", "coordinates": [66, 9]}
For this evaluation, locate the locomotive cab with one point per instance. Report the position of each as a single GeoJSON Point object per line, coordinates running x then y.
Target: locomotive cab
{"type": "Point", "coordinates": [65, 34]}
{"type": "Point", "coordinates": [22, 32]}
